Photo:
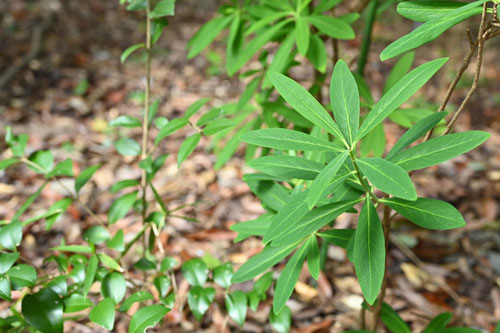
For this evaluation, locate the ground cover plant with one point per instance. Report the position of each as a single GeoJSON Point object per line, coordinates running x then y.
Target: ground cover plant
{"type": "Point", "coordinates": [320, 157]}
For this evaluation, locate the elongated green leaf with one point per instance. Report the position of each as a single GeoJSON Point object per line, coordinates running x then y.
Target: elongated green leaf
{"type": "Point", "coordinates": [170, 127]}
{"type": "Point", "coordinates": [103, 314]}
{"type": "Point", "coordinates": [331, 26]}
{"type": "Point", "coordinates": [369, 252]}
{"type": "Point", "coordinates": [64, 168]}
{"type": "Point", "coordinates": [399, 71]}
{"type": "Point", "coordinates": [388, 177]}
{"type": "Point", "coordinates": [138, 296]}
{"type": "Point", "coordinates": [415, 132]}
{"type": "Point", "coordinates": [236, 305]}
{"type": "Point", "coordinates": [129, 51]}
{"type": "Point", "coordinates": [285, 139]}
{"type": "Point", "coordinates": [219, 125]}
{"type": "Point", "coordinates": [121, 206]}
{"type": "Point", "coordinates": [11, 235]}
{"type": "Point", "coordinates": [5, 290]}
{"type": "Point", "coordinates": [126, 121]}
{"type": "Point", "coordinates": [263, 22]}
{"type": "Point", "coordinates": [313, 257]}
{"type": "Point", "coordinates": [76, 303]}
{"type": "Point", "coordinates": [127, 147]}
{"type": "Point", "coordinates": [399, 93]}
{"type": "Point", "coordinates": [73, 248]}
{"type": "Point", "coordinates": [304, 103]}
{"type": "Point", "coordinates": [344, 97]}
{"type": "Point", "coordinates": [90, 274]}
{"type": "Point", "coordinates": [274, 195]}
{"type": "Point", "coordinates": [438, 323]}
{"type": "Point", "coordinates": [44, 311]}
{"type": "Point", "coordinates": [85, 176]}
{"type": "Point", "coordinates": [317, 54]}
{"type": "Point", "coordinates": [206, 35]}
{"type": "Point", "coordinates": [287, 166]}
{"type": "Point", "coordinates": [430, 30]}
{"type": "Point", "coordinates": [261, 262]}
{"type": "Point", "coordinates": [339, 237]}
{"type": "Point", "coordinates": [8, 162]}
{"type": "Point", "coordinates": [187, 147]}
{"type": "Point", "coordinates": [312, 221]}
{"type": "Point", "coordinates": [425, 10]}
{"type": "Point", "coordinates": [325, 5]}
{"type": "Point", "coordinates": [322, 181]}
{"type": "Point", "coordinates": [125, 183]}
{"type": "Point", "coordinates": [302, 36]}
{"type": "Point", "coordinates": [285, 54]}
{"type": "Point", "coordinates": [288, 278]}
{"type": "Point", "coordinates": [257, 227]}
{"type": "Point", "coordinates": [146, 317]}
{"type": "Point", "coordinates": [392, 320]}
{"type": "Point", "coordinates": [193, 108]}
{"type": "Point", "coordinates": [438, 150]}
{"type": "Point", "coordinates": [428, 213]}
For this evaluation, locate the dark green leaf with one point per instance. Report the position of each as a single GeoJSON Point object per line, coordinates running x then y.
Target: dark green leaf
{"type": "Point", "coordinates": [146, 317]}
{"type": "Point", "coordinates": [114, 286]}
{"type": "Point", "coordinates": [144, 264]}
{"type": "Point", "coordinates": [313, 256]}
{"type": "Point", "coordinates": [439, 322]}
{"type": "Point", "coordinates": [195, 272]}
{"type": "Point", "coordinates": [339, 237]}
{"type": "Point", "coordinates": [281, 321]}
{"type": "Point", "coordinates": [236, 305]}
{"type": "Point", "coordinates": [7, 260]}
{"type": "Point", "coordinates": [162, 284]}
{"type": "Point", "coordinates": [76, 303]}
{"type": "Point", "coordinates": [103, 314]}
{"type": "Point", "coordinates": [287, 166]}
{"type": "Point", "coordinates": [167, 264]}
{"type": "Point", "coordinates": [44, 311]}
{"type": "Point", "coordinates": [90, 274]}
{"type": "Point", "coordinates": [85, 176]}
{"type": "Point", "coordinates": [59, 285]}
{"type": "Point", "coordinates": [331, 26]}
{"type": "Point", "coordinates": [120, 207]}
{"type": "Point", "coordinates": [199, 300]}
{"type": "Point", "coordinates": [223, 275]}
{"type": "Point", "coordinates": [392, 320]}
{"type": "Point", "coordinates": [5, 291]}
{"type": "Point", "coordinates": [56, 210]}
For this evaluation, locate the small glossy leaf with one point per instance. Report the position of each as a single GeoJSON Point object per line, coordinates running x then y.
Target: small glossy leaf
{"type": "Point", "coordinates": [117, 242]}
{"type": "Point", "coordinates": [109, 262]}
{"type": "Point", "coordinates": [11, 235]}
{"type": "Point", "coordinates": [369, 252]}
{"type": "Point", "coordinates": [344, 97]}
{"type": "Point", "coordinates": [438, 150]}
{"type": "Point", "coordinates": [281, 321]}
{"type": "Point", "coordinates": [85, 176]}
{"type": "Point", "coordinates": [59, 285]}
{"type": "Point", "coordinates": [114, 286]}
{"type": "Point", "coordinates": [236, 305]}
{"type": "Point", "coordinates": [144, 264]}
{"type": "Point", "coordinates": [139, 296]}
{"type": "Point", "coordinates": [313, 256]}
{"type": "Point", "coordinates": [428, 213]}
{"type": "Point", "coordinates": [96, 235]}
{"type": "Point", "coordinates": [90, 274]}
{"type": "Point", "coordinates": [125, 121]}
{"type": "Point", "coordinates": [195, 272]}
{"type": "Point", "coordinates": [438, 323]}
{"type": "Point", "coordinates": [199, 300]}
{"type": "Point", "coordinates": [76, 303]}
{"type": "Point", "coordinates": [5, 290]}
{"type": "Point", "coordinates": [146, 317]}
{"type": "Point", "coordinates": [120, 207]}
{"type": "Point", "coordinates": [287, 166]}
{"type": "Point", "coordinates": [7, 260]}
{"type": "Point", "coordinates": [103, 314]}
{"type": "Point", "coordinates": [44, 311]}
{"type": "Point", "coordinates": [223, 275]}
{"type": "Point", "coordinates": [128, 147]}
{"type": "Point", "coordinates": [187, 147]}
{"type": "Point", "coordinates": [331, 26]}
{"type": "Point", "coordinates": [64, 168]}
{"type": "Point", "coordinates": [125, 54]}
{"type": "Point", "coordinates": [388, 177]}
{"type": "Point", "coordinates": [21, 276]}
{"type": "Point", "coordinates": [167, 264]}
{"type": "Point", "coordinates": [339, 237]}
{"type": "Point", "coordinates": [162, 284]}
{"type": "Point", "coordinates": [44, 159]}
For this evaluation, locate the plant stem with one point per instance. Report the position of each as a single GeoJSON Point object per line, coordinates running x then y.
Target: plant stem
{"type": "Point", "coordinates": [367, 36]}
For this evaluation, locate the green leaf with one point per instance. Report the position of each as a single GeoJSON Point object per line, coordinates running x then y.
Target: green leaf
{"type": "Point", "coordinates": [438, 323]}
{"type": "Point", "coordinates": [103, 314]}
{"type": "Point", "coordinates": [199, 300]}
{"type": "Point", "coordinates": [302, 35]}
{"type": "Point", "coordinates": [313, 256]}
{"type": "Point", "coordinates": [120, 207]}
{"type": "Point", "coordinates": [281, 321]}
{"type": "Point", "coordinates": [236, 305]}
{"type": "Point", "coordinates": [218, 125]}
{"type": "Point", "coordinates": [287, 166]}
{"type": "Point", "coordinates": [374, 142]}
{"type": "Point", "coordinates": [76, 303]}
{"type": "Point", "coordinates": [4, 164]}
{"type": "Point", "coordinates": [56, 210]}
{"type": "Point", "coordinates": [163, 8]}
{"type": "Point", "coordinates": [206, 35]}
{"type": "Point", "coordinates": [114, 286]}
{"type": "Point", "coordinates": [138, 296]}
{"type": "Point", "coordinates": [438, 150]}
{"type": "Point", "coordinates": [117, 242]}
{"type": "Point", "coordinates": [59, 285]}
{"type": "Point", "coordinates": [64, 168]}
{"type": "Point", "coordinates": [317, 54]}
{"type": "Point", "coordinates": [144, 264]}
{"type": "Point", "coordinates": [288, 278]}
{"type": "Point", "coordinates": [162, 284]}
{"type": "Point", "coordinates": [193, 108]}
{"type": "Point", "coordinates": [90, 274]}
{"type": "Point", "coordinates": [312, 221]}
{"type": "Point", "coordinates": [285, 139]}
{"type": "Point", "coordinates": [44, 311]}
{"type": "Point", "coordinates": [428, 213]}
{"type": "Point", "coordinates": [257, 227]}
{"type": "Point", "coordinates": [126, 121]}
{"type": "Point", "coordinates": [195, 272]}
{"type": "Point", "coordinates": [369, 252]}
{"type": "Point", "coordinates": [400, 93]}
{"type": "Point", "coordinates": [171, 127]}
{"type": "Point", "coordinates": [125, 54]}
{"type": "Point", "coordinates": [339, 237]}
{"type": "Point", "coordinates": [388, 177]}
{"type": "Point", "coordinates": [17, 143]}
{"type": "Point", "coordinates": [44, 159]}
{"type": "Point", "coordinates": [5, 291]}
{"type": "Point", "coordinates": [96, 235]}
{"type": "Point", "coordinates": [344, 97]}
{"type": "Point", "coordinates": [399, 71]}
{"type": "Point", "coordinates": [304, 103]}
{"type": "Point", "coordinates": [7, 260]}
{"type": "Point", "coordinates": [223, 275]}
{"type": "Point", "coordinates": [323, 179]}
{"type": "Point", "coordinates": [424, 10]}
{"type": "Point", "coordinates": [11, 235]}
{"type": "Point", "coordinates": [167, 264]}
{"type": "Point", "coordinates": [85, 176]}
{"type": "Point", "coordinates": [460, 330]}
{"type": "Point", "coordinates": [187, 147]}
{"type": "Point", "coordinates": [331, 26]}
{"type": "Point", "coordinates": [120, 185]}
{"type": "Point", "coordinates": [73, 248]}
{"type": "Point", "coordinates": [259, 263]}
{"type": "Point", "coordinates": [415, 132]}
{"type": "Point", "coordinates": [430, 30]}
{"type": "Point", "coordinates": [392, 320]}
{"type": "Point", "coordinates": [146, 317]}
{"type": "Point", "coordinates": [128, 147]}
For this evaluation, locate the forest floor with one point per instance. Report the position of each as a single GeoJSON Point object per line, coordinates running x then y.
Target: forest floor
{"type": "Point", "coordinates": [75, 84]}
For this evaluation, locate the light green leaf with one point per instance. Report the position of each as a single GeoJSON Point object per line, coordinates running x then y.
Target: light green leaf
{"type": "Point", "coordinates": [236, 305]}
{"type": "Point", "coordinates": [56, 210]}
{"type": "Point", "coordinates": [331, 26]}
{"type": "Point", "coordinates": [114, 286]}
{"type": "Point", "coordinates": [428, 213]}
{"type": "Point", "coordinates": [44, 159]}
{"type": "Point", "coordinates": [223, 275]}
{"type": "Point", "coordinates": [125, 121]}
{"type": "Point", "coordinates": [103, 314]}
{"type": "Point", "coordinates": [206, 35]}
{"type": "Point", "coordinates": [125, 54]}
{"type": "Point", "coordinates": [76, 303]}
{"type": "Point", "coordinates": [120, 185]}
{"type": "Point", "coordinates": [127, 147]}
{"type": "Point", "coordinates": [302, 35]}
{"type": "Point", "coordinates": [281, 321]}
{"type": "Point", "coordinates": [121, 206]}
{"type": "Point", "coordinates": [187, 147]}
{"type": "Point", "coordinates": [400, 93]}
{"type": "Point", "coordinates": [162, 284]}
{"type": "Point", "coordinates": [90, 274]}
{"type": "Point", "coordinates": [425, 10]}
{"type": "Point", "coordinates": [117, 242]}
{"type": "Point", "coordinates": [163, 8]}
{"type": "Point", "coordinates": [317, 54]}
{"type": "Point", "coordinates": [304, 103]}
{"type": "Point", "coordinates": [399, 71]}
{"type": "Point", "coordinates": [199, 300]}
{"type": "Point", "coordinates": [11, 235]}
{"type": "Point", "coordinates": [344, 97]}
{"type": "Point", "coordinates": [73, 248]}
{"type": "Point", "coordinates": [138, 296]}
{"type": "Point", "coordinates": [146, 317]}
{"type": "Point", "coordinates": [85, 176]}
{"type": "Point", "coordinates": [7, 260]}
{"type": "Point", "coordinates": [44, 311]}
{"type": "Point", "coordinates": [369, 252]}
{"type": "Point", "coordinates": [5, 290]}
{"type": "Point", "coordinates": [4, 164]}
{"type": "Point", "coordinates": [313, 257]}
{"type": "Point", "coordinates": [430, 30]}
{"type": "Point", "coordinates": [438, 150]}
{"type": "Point", "coordinates": [218, 125]}
{"type": "Point", "coordinates": [109, 262]}
{"type": "Point", "coordinates": [287, 166]}
{"type": "Point", "coordinates": [339, 237]}
{"type": "Point", "coordinates": [64, 168]}
{"type": "Point", "coordinates": [195, 107]}
{"type": "Point", "coordinates": [96, 235]}
{"type": "Point", "coordinates": [388, 177]}
{"type": "Point", "coordinates": [171, 127]}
